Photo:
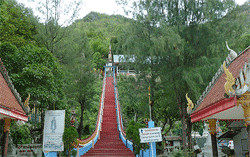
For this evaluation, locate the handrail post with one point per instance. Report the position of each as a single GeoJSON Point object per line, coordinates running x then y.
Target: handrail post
{"type": "Point", "coordinates": [99, 137]}
{"type": "Point", "coordinates": [117, 127]}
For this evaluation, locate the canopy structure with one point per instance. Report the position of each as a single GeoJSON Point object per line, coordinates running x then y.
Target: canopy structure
{"type": "Point", "coordinates": [11, 107]}
{"type": "Point", "coordinates": [214, 103]}
{"type": "Point", "coordinates": [227, 97]}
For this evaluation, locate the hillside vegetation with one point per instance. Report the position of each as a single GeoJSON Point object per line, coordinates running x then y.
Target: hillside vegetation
{"type": "Point", "coordinates": [60, 66]}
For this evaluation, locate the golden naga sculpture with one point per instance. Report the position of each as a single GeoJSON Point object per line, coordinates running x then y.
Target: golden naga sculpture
{"type": "Point", "coordinates": [26, 102]}
{"type": "Point", "coordinates": [230, 81]}
{"type": "Point", "coordinates": [190, 104]}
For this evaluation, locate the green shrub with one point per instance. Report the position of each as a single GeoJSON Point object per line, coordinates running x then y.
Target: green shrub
{"type": "Point", "coordinates": [69, 138]}
{"type": "Point", "coordinates": [132, 133]}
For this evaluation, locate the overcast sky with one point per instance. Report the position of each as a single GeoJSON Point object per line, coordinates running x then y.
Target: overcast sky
{"type": "Point", "coordinates": [101, 6]}
{"type": "Point", "coordinates": [110, 6]}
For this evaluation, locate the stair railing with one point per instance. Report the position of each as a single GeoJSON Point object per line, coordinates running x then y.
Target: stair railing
{"type": "Point", "coordinates": [89, 142]}
{"type": "Point", "coordinates": [122, 134]}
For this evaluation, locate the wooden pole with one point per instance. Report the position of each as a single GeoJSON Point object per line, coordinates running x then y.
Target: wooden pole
{"type": "Point", "coordinates": [5, 144]}
{"type": "Point", "coordinates": [212, 129]}
{"type": "Point", "coordinates": [6, 136]}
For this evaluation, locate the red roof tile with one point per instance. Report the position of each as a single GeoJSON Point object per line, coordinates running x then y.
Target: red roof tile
{"type": "Point", "coordinates": [217, 91]}
{"type": "Point", "coordinates": [7, 97]}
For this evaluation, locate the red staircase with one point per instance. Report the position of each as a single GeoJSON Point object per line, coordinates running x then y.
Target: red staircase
{"type": "Point", "coordinates": [109, 144]}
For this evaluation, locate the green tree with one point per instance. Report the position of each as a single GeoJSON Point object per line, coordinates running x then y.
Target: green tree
{"type": "Point", "coordinates": [53, 30]}
{"type": "Point", "coordinates": [98, 61]}
{"type": "Point", "coordinates": [81, 81]}
{"type": "Point", "coordinates": [150, 62]}
{"type": "Point", "coordinates": [35, 71]}
{"type": "Point", "coordinates": [20, 133]}
{"type": "Point", "coordinates": [17, 23]}
{"type": "Point", "coordinates": [132, 133]}
{"type": "Point", "coordinates": [69, 139]}
{"type": "Point", "coordinates": [177, 49]}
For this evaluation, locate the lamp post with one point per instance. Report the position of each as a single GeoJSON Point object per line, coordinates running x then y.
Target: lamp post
{"type": "Point", "coordinates": [149, 102]}
{"type": "Point", "coordinates": [151, 125]}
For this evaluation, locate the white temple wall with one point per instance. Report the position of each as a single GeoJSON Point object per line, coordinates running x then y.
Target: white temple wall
{"type": "Point", "coordinates": [240, 143]}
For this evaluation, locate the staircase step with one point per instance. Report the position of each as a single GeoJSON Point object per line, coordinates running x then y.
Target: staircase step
{"type": "Point", "coordinates": [109, 145]}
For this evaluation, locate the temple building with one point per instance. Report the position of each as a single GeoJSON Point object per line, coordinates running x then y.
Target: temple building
{"type": "Point", "coordinates": [227, 98]}
{"type": "Point", "coordinates": [11, 107]}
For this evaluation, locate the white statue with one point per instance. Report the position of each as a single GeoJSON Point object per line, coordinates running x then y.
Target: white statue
{"type": "Point", "coordinates": [243, 81]}
{"type": "Point", "coordinates": [232, 53]}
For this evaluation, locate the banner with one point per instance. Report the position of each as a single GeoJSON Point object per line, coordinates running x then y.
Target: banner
{"type": "Point", "coordinates": [53, 130]}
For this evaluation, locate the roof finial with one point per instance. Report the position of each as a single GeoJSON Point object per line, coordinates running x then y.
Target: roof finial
{"type": "Point", "coordinates": [26, 102]}
{"type": "Point", "coordinates": [190, 104]}
{"type": "Point", "coordinates": [232, 53]}
{"type": "Point", "coordinates": [230, 81]}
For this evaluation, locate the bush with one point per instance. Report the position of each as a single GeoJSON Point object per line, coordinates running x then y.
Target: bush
{"type": "Point", "coordinates": [69, 138]}
{"type": "Point", "coordinates": [132, 133]}
{"type": "Point", "coordinates": [20, 133]}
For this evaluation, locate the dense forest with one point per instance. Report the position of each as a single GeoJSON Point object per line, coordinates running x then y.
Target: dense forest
{"type": "Point", "coordinates": [178, 49]}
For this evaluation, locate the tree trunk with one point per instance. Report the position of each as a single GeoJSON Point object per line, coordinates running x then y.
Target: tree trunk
{"type": "Point", "coordinates": [214, 145]}
{"type": "Point", "coordinates": [189, 131]}
{"type": "Point", "coordinates": [42, 126]}
{"type": "Point", "coordinates": [184, 133]}
{"type": "Point", "coordinates": [170, 126]}
{"type": "Point", "coordinates": [187, 128]}
{"type": "Point", "coordinates": [5, 143]}
{"type": "Point", "coordinates": [80, 128]}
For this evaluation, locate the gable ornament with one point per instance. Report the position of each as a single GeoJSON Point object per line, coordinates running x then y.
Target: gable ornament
{"type": "Point", "coordinates": [190, 104]}
{"type": "Point", "coordinates": [230, 81]}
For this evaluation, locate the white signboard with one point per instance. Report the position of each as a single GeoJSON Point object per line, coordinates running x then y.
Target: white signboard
{"type": "Point", "coordinates": [53, 130]}
{"type": "Point", "coordinates": [150, 134]}
{"type": "Point", "coordinates": [24, 150]}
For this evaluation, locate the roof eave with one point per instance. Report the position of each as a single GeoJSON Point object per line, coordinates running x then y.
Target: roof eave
{"type": "Point", "coordinates": [214, 108]}
{"type": "Point", "coordinates": [13, 114]}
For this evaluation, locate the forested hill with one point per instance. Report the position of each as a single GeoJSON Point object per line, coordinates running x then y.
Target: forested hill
{"type": "Point", "coordinates": [101, 28]}
{"type": "Point", "coordinates": [236, 23]}
{"type": "Point", "coordinates": [94, 16]}
{"type": "Point", "coordinates": [60, 66]}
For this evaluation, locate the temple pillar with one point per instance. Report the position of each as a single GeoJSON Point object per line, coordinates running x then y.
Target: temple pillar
{"type": "Point", "coordinates": [244, 101]}
{"type": "Point", "coordinates": [6, 132]}
{"type": "Point", "coordinates": [212, 129]}
{"type": "Point", "coordinates": [246, 109]}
